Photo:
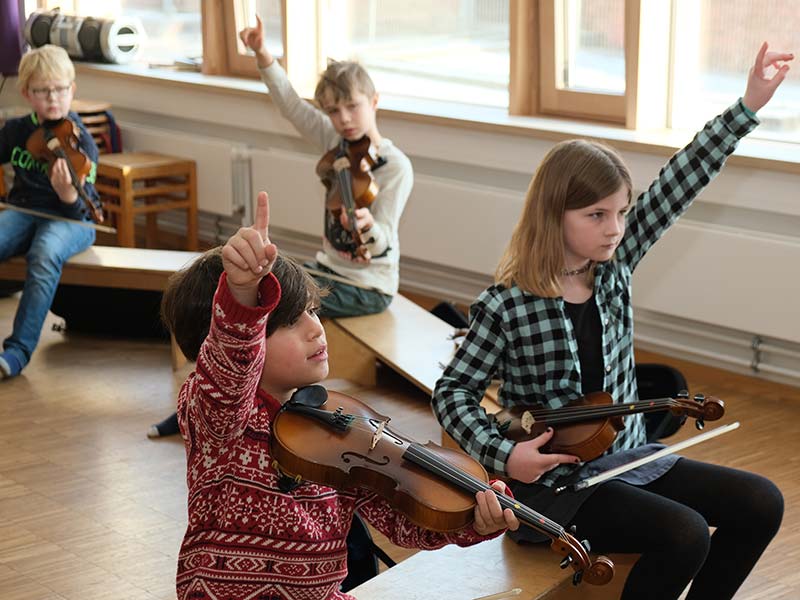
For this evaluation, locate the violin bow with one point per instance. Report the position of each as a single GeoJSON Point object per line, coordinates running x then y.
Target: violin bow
{"type": "Point", "coordinates": [339, 278]}
{"type": "Point", "coordinates": [44, 215]}
{"type": "Point", "coordinates": [590, 481]}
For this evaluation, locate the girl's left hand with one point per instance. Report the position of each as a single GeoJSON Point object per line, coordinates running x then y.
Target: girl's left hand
{"type": "Point", "coordinates": [489, 515]}
{"type": "Point", "coordinates": [760, 88]}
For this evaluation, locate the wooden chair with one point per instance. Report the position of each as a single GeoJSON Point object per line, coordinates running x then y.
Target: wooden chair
{"type": "Point", "coordinates": [134, 183]}
{"type": "Point", "coordinates": [95, 118]}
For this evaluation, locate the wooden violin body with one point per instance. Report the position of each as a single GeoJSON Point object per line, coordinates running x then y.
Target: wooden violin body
{"type": "Point", "coordinates": [346, 173]}
{"type": "Point", "coordinates": [58, 139]}
{"type": "Point", "coordinates": [587, 428]}
{"type": "Point", "coordinates": [338, 441]}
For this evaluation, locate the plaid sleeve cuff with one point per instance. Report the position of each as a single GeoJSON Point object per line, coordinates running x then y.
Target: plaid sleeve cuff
{"type": "Point", "coordinates": [739, 119]}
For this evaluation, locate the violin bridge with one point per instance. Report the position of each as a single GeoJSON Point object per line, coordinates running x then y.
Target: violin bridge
{"type": "Point", "coordinates": [527, 421]}
{"type": "Point", "coordinates": [340, 164]}
{"type": "Point", "coordinates": [376, 437]}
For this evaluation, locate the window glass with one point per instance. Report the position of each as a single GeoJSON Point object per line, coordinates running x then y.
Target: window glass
{"type": "Point", "coordinates": [592, 38]}
{"type": "Point", "coordinates": [271, 18]}
{"type": "Point", "coordinates": [716, 42]}
{"type": "Point", "coordinates": [449, 49]}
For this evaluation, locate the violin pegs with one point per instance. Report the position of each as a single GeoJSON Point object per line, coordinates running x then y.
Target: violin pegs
{"type": "Point", "coordinates": [699, 398]}
{"type": "Point", "coordinates": [576, 578]}
{"type": "Point", "coordinates": [573, 529]}
{"type": "Point", "coordinates": [683, 394]}
{"type": "Point", "coordinates": [566, 562]}
{"type": "Point", "coordinates": [586, 545]}
{"type": "Point", "coordinates": [700, 424]}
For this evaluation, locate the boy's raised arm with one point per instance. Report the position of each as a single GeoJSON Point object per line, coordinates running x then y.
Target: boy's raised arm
{"type": "Point", "coordinates": [312, 123]}
{"type": "Point", "coordinates": [231, 358]}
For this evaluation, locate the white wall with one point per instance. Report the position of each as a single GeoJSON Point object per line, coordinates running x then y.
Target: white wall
{"type": "Point", "coordinates": [730, 268]}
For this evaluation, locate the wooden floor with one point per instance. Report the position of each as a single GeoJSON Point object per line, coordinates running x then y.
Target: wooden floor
{"type": "Point", "coordinates": [92, 509]}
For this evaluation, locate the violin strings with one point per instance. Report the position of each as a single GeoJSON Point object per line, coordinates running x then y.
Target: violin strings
{"type": "Point", "coordinates": [425, 458]}
{"type": "Point", "coordinates": [571, 414]}
{"type": "Point", "coordinates": [570, 409]}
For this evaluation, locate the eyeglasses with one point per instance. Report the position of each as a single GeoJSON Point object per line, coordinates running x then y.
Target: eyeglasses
{"type": "Point", "coordinates": [58, 92]}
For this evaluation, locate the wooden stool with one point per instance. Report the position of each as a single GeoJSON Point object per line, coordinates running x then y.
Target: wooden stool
{"type": "Point", "coordinates": [94, 118]}
{"type": "Point", "coordinates": [133, 183]}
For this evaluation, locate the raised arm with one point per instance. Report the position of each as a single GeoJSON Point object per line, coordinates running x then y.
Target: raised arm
{"type": "Point", "coordinates": [691, 169]}
{"type": "Point", "coordinates": [313, 124]}
{"type": "Point", "coordinates": [221, 391]}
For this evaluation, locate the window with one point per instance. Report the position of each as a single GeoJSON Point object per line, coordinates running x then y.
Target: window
{"type": "Point", "coordinates": [637, 63]}
{"type": "Point", "coordinates": [716, 42]}
{"type": "Point", "coordinates": [456, 50]}
{"type": "Point", "coordinates": [242, 13]}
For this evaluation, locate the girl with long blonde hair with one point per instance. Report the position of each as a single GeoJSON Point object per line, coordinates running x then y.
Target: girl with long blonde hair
{"type": "Point", "coordinates": [558, 324]}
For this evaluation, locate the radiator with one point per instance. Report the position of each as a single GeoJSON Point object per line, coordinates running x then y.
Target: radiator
{"type": "Point", "coordinates": [725, 277]}
{"type": "Point", "coordinates": [295, 193]}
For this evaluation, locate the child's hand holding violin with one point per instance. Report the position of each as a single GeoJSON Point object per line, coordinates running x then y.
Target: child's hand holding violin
{"type": "Point", "coordinates": [248, 256]}
{"type": "Point", "coordinates": [253, 38]}
{"type": "Point", "coordinates": [527, 464]}
{"type": "Point", "coordinates": [61, 181]}
{"type": "Point", "coordinates": [760, 88]}
{"type": "Point", "coordinates": [489, 515]}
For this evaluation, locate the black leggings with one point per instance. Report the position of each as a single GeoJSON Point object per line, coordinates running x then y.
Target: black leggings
{"type": "Point", "coordinates": [667, 522]}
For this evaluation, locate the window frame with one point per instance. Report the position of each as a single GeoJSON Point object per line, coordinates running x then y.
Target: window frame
{"type": "Point", "coordinates": [300, 21]}
{"type": "Point", "coordinates": [533, 45]}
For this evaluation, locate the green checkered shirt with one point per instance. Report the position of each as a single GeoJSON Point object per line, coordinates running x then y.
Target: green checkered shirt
{"type": "Point", "coordinates": [529, 343]}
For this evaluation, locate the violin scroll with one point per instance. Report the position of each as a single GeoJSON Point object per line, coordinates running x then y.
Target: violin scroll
{"type": "Point", "coordinates": [702, 408]}
{"type": "Point", "coordinates": [576, 555]}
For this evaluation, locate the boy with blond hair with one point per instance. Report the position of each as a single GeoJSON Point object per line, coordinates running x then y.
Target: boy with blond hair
{"type": "Point", "coordinates": [346, 109]}
{"type": "Point", "coordinates": [47, 82]}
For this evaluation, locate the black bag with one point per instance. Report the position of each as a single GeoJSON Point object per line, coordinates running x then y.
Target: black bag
{"type": "Point", "coordinates": [110, 311]}
{"type": "Point", "coordinates": [448, 313]}
{"type": "Point", "coordinates": [660, 381]}
{"type": "Point", "coordinates": [362, 555]}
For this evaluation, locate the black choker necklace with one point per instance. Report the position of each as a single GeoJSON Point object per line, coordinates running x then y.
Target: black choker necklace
{"type": "Point", "coordinates": [583, 269]}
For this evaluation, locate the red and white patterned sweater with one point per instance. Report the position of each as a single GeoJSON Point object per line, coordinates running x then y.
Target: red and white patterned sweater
{"type": "Point", "coordinates": [245, 537]}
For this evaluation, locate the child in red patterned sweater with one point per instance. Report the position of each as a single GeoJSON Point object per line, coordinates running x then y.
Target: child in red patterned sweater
{"type": "Point", "coordinates": [247, 537]}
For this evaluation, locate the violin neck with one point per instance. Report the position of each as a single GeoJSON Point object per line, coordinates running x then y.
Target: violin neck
{"type": "Point", "coordinates": [576, 414]}
{"type": "Point", "coordinates": [424, 458]}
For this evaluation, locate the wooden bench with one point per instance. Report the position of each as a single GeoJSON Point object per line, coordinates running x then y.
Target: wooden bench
{"type": "Point", "coordinates": [405, 337]}
{"type": "Point", "coordinates": [108, 266]}
{"type": "Point", "coordinates": [491, 567]}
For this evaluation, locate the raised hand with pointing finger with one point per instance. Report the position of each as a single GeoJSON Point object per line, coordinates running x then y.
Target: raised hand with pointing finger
{"type": "Point", "coordinates": [248, 255]}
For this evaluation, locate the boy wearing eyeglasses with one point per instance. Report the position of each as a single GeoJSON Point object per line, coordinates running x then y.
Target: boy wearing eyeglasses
{"type": "Point", "coordinates": [47, 82]}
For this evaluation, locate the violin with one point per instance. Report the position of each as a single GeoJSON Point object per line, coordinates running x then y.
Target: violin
{"type": "Point", "coordinates": [57, 139]}
{"type": "Point", "coordinates": [587, 428]}
{"type": "Point", "coordinates": [346, 173]}
{"type": "Point", "coordinates": [338, 441]}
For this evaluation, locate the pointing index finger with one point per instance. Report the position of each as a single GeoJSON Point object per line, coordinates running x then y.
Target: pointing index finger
{"type": "Point", "coordinates": [262, 216]}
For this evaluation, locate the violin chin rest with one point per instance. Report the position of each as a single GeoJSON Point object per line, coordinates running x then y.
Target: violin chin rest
{"type": "Point", "coordinates": [312, 395]}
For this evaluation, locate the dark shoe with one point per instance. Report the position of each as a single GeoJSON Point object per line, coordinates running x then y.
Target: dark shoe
{"type": "Point", "coordinates": [168, 426]}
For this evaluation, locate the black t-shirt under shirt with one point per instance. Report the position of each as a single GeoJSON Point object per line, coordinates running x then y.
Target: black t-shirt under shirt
{"type": "Point", "coordinates": [589, 335]}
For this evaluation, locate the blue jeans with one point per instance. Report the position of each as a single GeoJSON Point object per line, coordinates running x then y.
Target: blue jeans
{"type": "Point", "coordinates": [47, 244]}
